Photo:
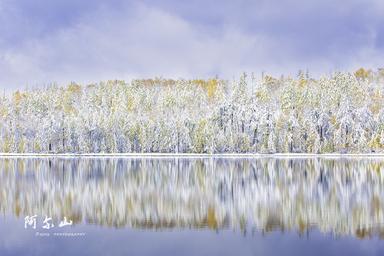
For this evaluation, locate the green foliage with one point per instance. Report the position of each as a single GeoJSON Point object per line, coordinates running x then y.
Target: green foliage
{"type": "Point", "coordinates": [340, 113]}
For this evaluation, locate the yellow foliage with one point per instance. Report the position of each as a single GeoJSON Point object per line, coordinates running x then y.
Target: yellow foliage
{"type": "Point", "coordinates": [74, 88]}
{"type": "Point", "coordinates": [363, 74]}
{"type": "Point", "coordinates": [333, 120]}
{"type": "Point", "coordinates": [7, 145]}
{"type": "Point", "coordinates": [71, 90]}
{"type": "Point", "coordinates": [377, 100]}
{"type": "Point", "coordinates": [269, 80]}
{"type": "Point", "coordinates": [154, 82]}
{"type": "Point", "coordinates": [200, 139]}
{"type": "Point", "coordinates": [3, 111]}
{"type": "Point", "coordinates": [209, 85]}
{"type": "Point", "coordinates": [303, 82]}
{"type": "Point", "coordinates": [169, 101]}
{"type": "Point", "coordinates": [375, 142]}
{"type": "Point", "coordinates": [211, 219]}
{"type": "Point", "coordinates": [17, 97]}
{"type": "Point", "coordinates": [21, 147]}
{"type": "Point", "coordinates": [130, 104]}
{"type": "Point", "coordinates": [262, 95]}
{"type": "Point", "coordinates": [37, 147]}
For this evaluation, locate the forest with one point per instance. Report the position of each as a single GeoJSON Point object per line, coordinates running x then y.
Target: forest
{"type": "Point", "coordinates": [338, 113]}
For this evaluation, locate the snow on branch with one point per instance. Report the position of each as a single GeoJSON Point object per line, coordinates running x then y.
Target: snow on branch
{"type": "Point", "coordinates": [342, 113]}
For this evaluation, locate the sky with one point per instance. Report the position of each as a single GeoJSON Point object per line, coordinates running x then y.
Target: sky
{"type": "Point", "coordinates": [45, 41]}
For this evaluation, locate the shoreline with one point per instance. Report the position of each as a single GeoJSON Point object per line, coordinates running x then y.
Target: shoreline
{"type": "Point", "coordinates": [190, 155]}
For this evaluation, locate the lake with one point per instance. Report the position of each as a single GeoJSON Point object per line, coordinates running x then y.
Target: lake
{"type": "Point", "coordinates": [192, 206]}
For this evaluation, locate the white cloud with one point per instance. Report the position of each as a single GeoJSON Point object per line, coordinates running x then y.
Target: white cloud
{"type": "Point", "coordinates": [150, 42]}
{"type": "Point", "coordinates": [141, 40]}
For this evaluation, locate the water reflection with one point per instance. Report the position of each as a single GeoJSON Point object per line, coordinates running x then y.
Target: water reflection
{"type": "Point", "coordinates": [339, 196]}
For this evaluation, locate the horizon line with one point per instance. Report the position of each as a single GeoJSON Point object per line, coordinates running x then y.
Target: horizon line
{"type": "Point", "coordinates": [191, 155]}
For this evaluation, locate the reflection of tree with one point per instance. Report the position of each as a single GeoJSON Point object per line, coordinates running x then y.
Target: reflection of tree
{"type": "Point", "coordinates": [338, 196]}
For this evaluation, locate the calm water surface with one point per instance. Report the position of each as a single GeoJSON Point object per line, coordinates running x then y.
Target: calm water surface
{"type": "Point", "coordinates": [184, 206]}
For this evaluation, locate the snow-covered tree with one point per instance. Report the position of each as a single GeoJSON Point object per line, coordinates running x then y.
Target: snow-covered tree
{"type": "Point", "coordinates": [340, 113]}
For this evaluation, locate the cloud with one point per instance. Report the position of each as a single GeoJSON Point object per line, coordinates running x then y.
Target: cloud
{"type": "Point", "coordinates": [150, 42]}
{"type": "Point", "coordinates": [72, 40]}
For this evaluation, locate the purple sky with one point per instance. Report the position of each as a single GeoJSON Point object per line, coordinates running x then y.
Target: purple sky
{"type": "Point", "coordinates": [44, 41]}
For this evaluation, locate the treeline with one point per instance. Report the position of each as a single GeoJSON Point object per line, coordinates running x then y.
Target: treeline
{"type": "Point", "coordinates": [341, 113]}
